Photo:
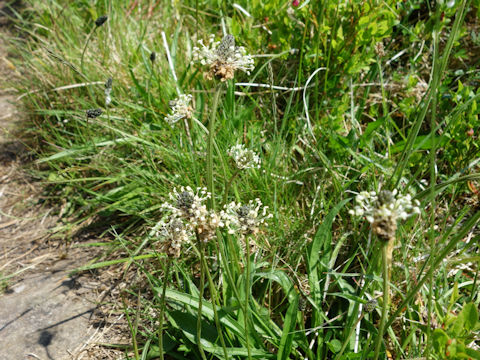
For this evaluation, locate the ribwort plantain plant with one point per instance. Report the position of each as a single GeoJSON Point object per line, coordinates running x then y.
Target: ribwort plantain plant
{"type": "Point", "coordinates": [383, 210]}
{"type": "Point", "coordinates": [98, 23]}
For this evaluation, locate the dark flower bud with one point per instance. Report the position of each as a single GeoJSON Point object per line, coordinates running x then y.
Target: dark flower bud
{"type": "Point", "coordinates": [101, 20]}
{"type": "Point", "coordinates": [302, 303]}
{"type": "Point", "coordinates": [385, 197]}
{"type": "Point", "coordinates": [108, 83]}
{"type": "Point", "coordinates": [93, 113]}
{"type": "Point", "coordinates": [185, 201]}
{"type": "Point", "coordinates": [243, 211]}
{"type": "Point", "coordinates": [153, 56]}
{"type": "Point", "coordinates": [370, 305]}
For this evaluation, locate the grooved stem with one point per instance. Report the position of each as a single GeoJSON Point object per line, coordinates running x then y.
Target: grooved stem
{"type": "Point", "coordinates": [211, 131]}
{"type": "Point", "coordinates": [247, 295]}
{"type": "Point", "coordinates": [200, 301]}
{"type": "Point", "coordinates": [386, 290]}
{"type": "Point", "coordinates": [85, 47]}
{"type": "Point", "coordinates": [162, 310]}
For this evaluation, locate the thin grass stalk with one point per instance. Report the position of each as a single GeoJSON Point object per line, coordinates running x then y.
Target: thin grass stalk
{"type": "Point", "coordinates": [85, 47]}
{"type": "Point", "coordinates": [347, 339]}
{"type": "Point", "coordinates": [226, 264]}
{"type": "Point", "coordinates": [433, 180]}
{"type": "Point", "coordinates": [397, 174]}
{"type": "Point", "coordinates": [189, 135]}
{"type": "Point", "coordinates": [89, 133]}
{"type": "Point", "coordinates": [474, 286]}
{"type": "Point", "coordinates": [384, 104]}
{"type": "Point", "coordinates": [162, 310]}
{"type": "Point", "coordinates": [309, 352]}
{"type": "Point", "coordinates": [247, 296]}
{"type": "Point", "coordinates": [434, 263]}
{"type": "Point", "coordinates": [196, 19]}
{"type": "Point", "coordinates": [386, 290]}
{"type": "Point", "coordinates": [110, 122]}
{"type": "Point", "coordinates": [211, 130]}
{"type": "Point", "coordinates": [132, 330]}
{"type": "Point", "coordinates": [228, 185]}
{"type": "Point", "coordinates": [137, 318]}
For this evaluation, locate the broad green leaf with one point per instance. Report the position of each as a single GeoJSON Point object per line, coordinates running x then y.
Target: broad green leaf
{"type": "Point", "coordinates": [469, 314]}
{"type": "Point", "coordinates": [440, 339]}
{"type": "Point", "coordinates": [334, 345]}
{"type": "Point", "coordinates": [207, 309]}
{"type": "Point", "coordinates": [187, 323]}
{"type": "Point", "coordinates": [473, 354]}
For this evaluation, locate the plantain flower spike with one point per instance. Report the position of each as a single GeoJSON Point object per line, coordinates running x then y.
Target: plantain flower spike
{"type": "Point", "coordinates": [222, 58]}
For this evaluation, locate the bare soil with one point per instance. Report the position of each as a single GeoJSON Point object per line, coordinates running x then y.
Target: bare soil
{"type": "Point", "coordinates": [45, 312]}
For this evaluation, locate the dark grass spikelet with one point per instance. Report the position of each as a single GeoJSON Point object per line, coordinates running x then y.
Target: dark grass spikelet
{"type": "Point", "coordinates": [101, 20]}
{"type": "Point", "coordinates": [93, 113]}
{"type": "Point", "coordinates": [109, 83]}
{"type": "Point", "coordinates": [153, 56]}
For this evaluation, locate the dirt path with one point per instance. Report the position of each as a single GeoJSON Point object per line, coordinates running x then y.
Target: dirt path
{"type": "Point", "coordinates": [44, 313]}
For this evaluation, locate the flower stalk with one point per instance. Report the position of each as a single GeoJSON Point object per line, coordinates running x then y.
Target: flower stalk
{"type": "Point", "coordinates": [98, 22]}
{"type": "Point", "coordinates": [228, 185]}
{"type": "Point", "coordinates": [215, 302]}
{"type": "Point", "coordinates": [247, 297]}
{"type": "Point", "coordinates": [383, 210]}
{"type": "Point", "coordinates": [162, 310]}
{"type": "Point", "coordinates": [211, 130]}
{"type": "Point", "coordinates": [200, 300]}
{"type": "Point", "coordinates": [386, 261]}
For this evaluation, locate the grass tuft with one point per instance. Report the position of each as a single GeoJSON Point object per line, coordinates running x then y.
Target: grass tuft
{"type": "Point", "coordinates": [344, 97]}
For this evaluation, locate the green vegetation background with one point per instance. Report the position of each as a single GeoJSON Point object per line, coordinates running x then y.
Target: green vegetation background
{"type": "Point", "coordinates": [373, 94]}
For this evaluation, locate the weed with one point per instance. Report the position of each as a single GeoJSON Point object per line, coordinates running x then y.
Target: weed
{"type": "Point", "coordinates": [337, 97]}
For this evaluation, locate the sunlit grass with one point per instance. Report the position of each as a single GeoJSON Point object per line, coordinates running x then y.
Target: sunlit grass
{"type": "Point", "coordinates": [328, 111]}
